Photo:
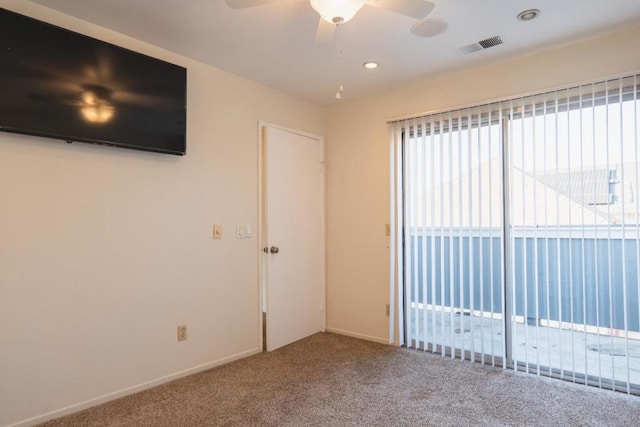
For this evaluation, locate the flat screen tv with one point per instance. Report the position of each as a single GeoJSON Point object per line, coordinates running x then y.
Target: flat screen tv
{"type": "Point", "coordinates": [60, 84]}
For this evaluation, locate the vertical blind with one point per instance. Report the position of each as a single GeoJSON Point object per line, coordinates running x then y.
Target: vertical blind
{"type": "Point", "coordinates": [516, 233]}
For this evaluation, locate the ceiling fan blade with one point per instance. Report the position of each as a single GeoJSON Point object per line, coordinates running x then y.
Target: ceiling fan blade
{"type": "Point", "coordinates": [325, 32]}
{"type": "Point", "coordinates": [243, 4]}
{"type": "Point", "coordinates": [416, 9]}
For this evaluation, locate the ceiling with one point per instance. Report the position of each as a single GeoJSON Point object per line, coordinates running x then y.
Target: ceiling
{"type": "Point", "coordinates": [274, 43]}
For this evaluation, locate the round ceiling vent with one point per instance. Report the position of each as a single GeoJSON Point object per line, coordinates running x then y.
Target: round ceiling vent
{"type": "Point", "coordinates": [429, 27]}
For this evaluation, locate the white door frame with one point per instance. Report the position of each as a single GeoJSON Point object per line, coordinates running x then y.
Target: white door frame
{"type": "Point", "coordinates": [262, 125]}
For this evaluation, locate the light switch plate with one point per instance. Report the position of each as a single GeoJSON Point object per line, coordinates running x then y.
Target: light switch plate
{"type": "Point", "coordinates": [239, 231]}
{"type": "Point", "coordinates": [248, 232]}
{"type": "Point", "coordinates": [217, 231]}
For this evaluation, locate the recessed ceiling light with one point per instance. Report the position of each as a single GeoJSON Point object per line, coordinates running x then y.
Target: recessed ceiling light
{"type": "Point", "coordinates": [528, 15]}
{"type": "Point", "coordinates": [370, 65]}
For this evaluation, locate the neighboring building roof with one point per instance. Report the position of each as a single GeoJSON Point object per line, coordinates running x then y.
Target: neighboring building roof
{"type": "Point", "coordinates": [596, 196]}
{"type": "Point", "coordinates": [587, 187]}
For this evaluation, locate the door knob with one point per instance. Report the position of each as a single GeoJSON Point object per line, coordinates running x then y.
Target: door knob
{"type": "Point", "coordinates": [274, 249]}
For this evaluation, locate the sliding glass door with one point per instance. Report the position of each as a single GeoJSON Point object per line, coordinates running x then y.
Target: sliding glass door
{"type": "Point", "coordinates": [573, 168]}
{"type": "Point", "coordinates": [518, 225]}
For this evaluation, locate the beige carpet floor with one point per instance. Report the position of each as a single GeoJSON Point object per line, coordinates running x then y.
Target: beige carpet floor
{"type": "Point", "coordinates": [332, 380]}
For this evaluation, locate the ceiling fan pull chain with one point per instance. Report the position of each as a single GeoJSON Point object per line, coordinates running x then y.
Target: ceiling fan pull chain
{"type": "Point", "coordinates": [339, 59]}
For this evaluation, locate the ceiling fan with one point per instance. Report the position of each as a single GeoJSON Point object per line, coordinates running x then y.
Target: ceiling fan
{"type": "Point", "coordinates": [336, 12]}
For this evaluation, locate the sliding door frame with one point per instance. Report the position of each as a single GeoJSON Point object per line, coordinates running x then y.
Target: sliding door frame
{"type": "Point", "coordinates": [401, 224]}
{"type": "Point", "coordinates": [507, 270]}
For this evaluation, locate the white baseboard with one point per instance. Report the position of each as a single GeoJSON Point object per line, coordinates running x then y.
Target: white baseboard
{"type": "Point", "coordinates": [357, 335]}
{"type": "Point", "coordinates": [130, 390]}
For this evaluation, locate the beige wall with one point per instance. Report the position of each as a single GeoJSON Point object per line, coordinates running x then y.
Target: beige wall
{"type": "Point", "coordinates": [104, 251]}
{"type": "Point", "coordinates": [357, 154]}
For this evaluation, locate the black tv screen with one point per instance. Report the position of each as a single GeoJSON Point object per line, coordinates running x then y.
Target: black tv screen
{"type": "Point", "coordinates": [60, 84]}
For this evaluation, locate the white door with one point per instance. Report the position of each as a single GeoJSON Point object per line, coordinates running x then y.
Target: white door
{"type": "Point", "coordinates": [293, 217]}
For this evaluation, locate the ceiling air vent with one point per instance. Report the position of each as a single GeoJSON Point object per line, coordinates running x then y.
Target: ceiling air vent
{"type": "Point", "coordinates": [490, 42]}
{"type": "Point", "coordinates": [481, 45]}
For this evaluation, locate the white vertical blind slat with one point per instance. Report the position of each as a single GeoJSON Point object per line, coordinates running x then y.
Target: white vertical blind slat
{"type": "Point", "coordinates": [480, 236]}
{"type": "Point", "coordinates": [595, 220]}
{"type": "Point", "coordinates": [558, 245]}
{"type": "Point", "coordinates": [461, 235]}
{"type": "Point", "coordinates": [535, 246]}
{"type": "Point", "coordinates": [408, 255]}
{"type": "Point", "coordinates": [512, 242]}
{"type": "Point", "coordinates": [504, 196]}
{"type": "Point", "coordinates": [441, 234]}
{"type": "Point", "coordinates": [545, 139]}
{"type": "Point", "coordinates": [492, 277]}
{"type": "Point", "coordinates": [450, 239]}
{"type": "Point", "coordinates": [423, 223]}
{"type": "Point", "coordinates": [609, 246]}
{"type": "Point", "coordinates": [570, 249]}
{"type": "Point", "coordinates": [414, 215]}
{"type": "Point", "coordinates": [622, 177]}
{"type": "Point", "coordinates": [524, 207]}
{"type": "Point", "coordinates": [432, 145]}
{"type": "Point", "coordinates": [399, 235]}
{"type": "Point", "coordinates": [583, 279]}
{"type": "Point", "coordinates": [470, 219]}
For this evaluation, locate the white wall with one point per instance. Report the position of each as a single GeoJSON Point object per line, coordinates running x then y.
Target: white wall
{"type": "Point", "coordinates": [357, 153]}
{"type": "Point", "coordinates": [104, 251]}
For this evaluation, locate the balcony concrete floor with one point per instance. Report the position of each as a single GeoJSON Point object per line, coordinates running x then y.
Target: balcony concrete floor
{"type": "Point", "coordinates": [570, 353]}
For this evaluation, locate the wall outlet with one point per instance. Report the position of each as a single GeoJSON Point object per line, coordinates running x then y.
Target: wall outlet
{"type": "Point", "coordinates": [388, 310]}
{"type": "Point", "coordinates": [182, 332]}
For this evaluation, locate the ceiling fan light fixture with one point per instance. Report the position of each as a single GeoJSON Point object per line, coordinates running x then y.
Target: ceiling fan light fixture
{"type": "Point", "coordinates": [337, 11]}
{"type": "Point", "coordinates": [94, 105]}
